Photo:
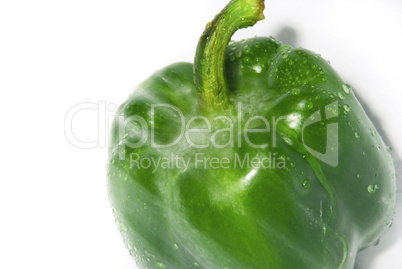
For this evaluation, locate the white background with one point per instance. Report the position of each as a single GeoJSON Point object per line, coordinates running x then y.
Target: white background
{"type": "Point", "coordinates": [54, 211]}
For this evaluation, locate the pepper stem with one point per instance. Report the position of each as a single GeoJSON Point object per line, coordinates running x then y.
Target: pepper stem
{"type": "Point", "coordinates": [209, 62]}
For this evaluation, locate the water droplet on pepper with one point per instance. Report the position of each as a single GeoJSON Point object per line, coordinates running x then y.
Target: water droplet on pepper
{"type": "Point", "coordinates": [346, 88]}
{"type": "Point", "coordinates": [295, 91]}
{"type": "Point", "coordinates": [306, 184]}
{"type": "Point", "coordinates": [357, 134]}
{"type": "Point", "coordinates": [372, 188]}
{"type": "Point", "coordinates": [160, 265]}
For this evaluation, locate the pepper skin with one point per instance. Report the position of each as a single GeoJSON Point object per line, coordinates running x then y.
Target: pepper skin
{"type": "Point", "coordinates": [256, 156]}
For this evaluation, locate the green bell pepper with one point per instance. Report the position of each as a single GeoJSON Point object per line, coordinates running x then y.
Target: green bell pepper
{"type": "Point", "coordinates": [256, 156]}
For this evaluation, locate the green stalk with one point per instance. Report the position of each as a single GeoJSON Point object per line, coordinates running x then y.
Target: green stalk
{"type": "Point", "coordinates": [209, 62]}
